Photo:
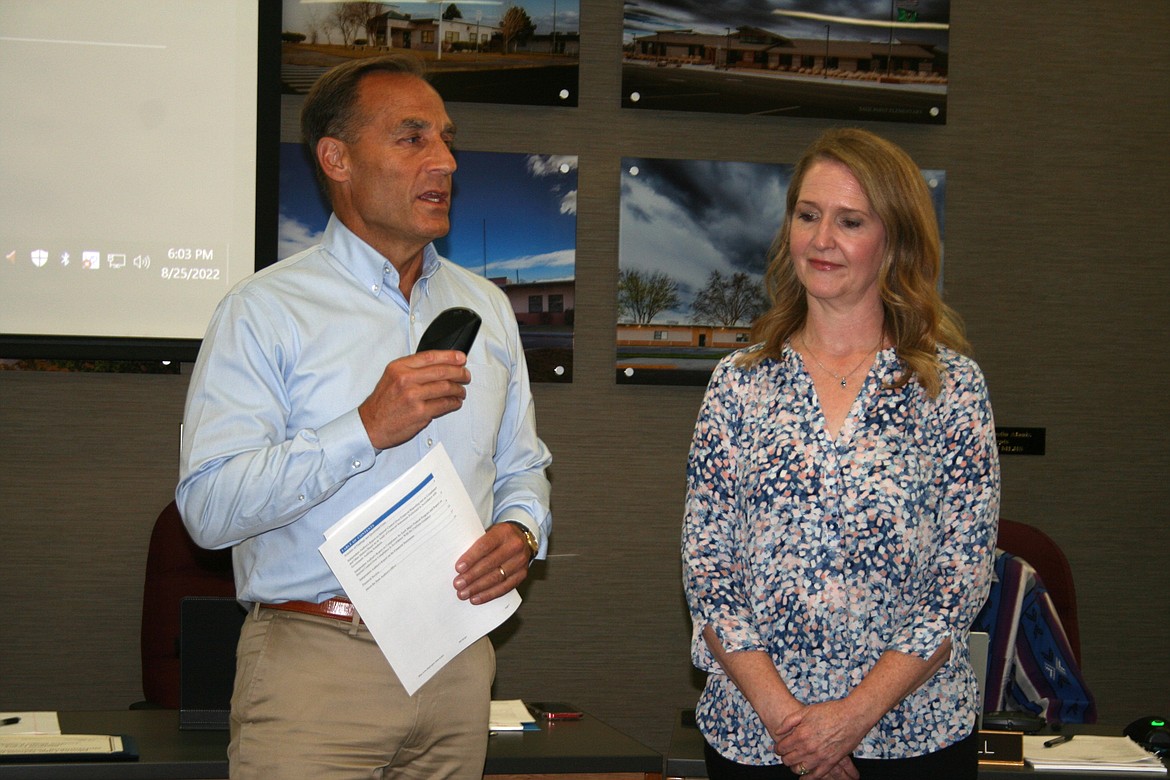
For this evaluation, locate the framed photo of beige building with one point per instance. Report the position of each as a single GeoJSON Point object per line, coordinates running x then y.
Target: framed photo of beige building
{"type": "Point", "coordinates": [476, 51]}
{"type": "Point", "coordinates": [852, 60]}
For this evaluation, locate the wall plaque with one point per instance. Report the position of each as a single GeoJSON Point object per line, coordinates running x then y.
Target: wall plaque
{"type": "Point", "coordinates": [1020, 441]}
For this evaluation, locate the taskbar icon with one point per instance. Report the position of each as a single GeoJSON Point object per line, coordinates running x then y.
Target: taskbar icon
{"type": "Point", "coordinates": [89, 259]}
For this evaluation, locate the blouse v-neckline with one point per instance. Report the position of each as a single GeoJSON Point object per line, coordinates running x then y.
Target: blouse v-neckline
{"type": "Point", "coordinates": [845, 430]}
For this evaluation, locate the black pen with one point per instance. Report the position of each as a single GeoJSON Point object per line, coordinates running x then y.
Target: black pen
{"type": "Point", "coordinates": [10, 721]}
{"type": "Point", "coordinates": [1058, 740]}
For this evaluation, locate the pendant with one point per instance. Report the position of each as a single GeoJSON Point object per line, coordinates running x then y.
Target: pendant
{"type": "Point", "coordinates": [843, 381]}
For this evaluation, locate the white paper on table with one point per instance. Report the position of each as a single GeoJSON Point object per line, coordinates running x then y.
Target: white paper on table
{"type": "Point", "coordinates": [39, 722]}
{"type": "Point", "coordinates": [511, 715]}
{"type": "Point", "coordinates": [395, 557]}
{"type": "Point", "coordinates": [1091, 753]}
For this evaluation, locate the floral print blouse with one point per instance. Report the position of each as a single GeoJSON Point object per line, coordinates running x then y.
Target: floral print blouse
{"type": "Point", "coordinates": [826, 552]}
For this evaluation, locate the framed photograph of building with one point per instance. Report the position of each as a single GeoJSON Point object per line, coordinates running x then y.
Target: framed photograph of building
{"type": "Point", "coordinates": [476, 51]}
{"type": "Point", "coordinates": [693, 248]}
{"type": "Point", "coordinates": [849, 59]}
{"type": "Point", "coordinates": [513, 220]}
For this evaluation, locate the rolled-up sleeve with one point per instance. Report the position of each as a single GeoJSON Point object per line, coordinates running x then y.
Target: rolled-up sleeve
{"type": "Point", "coordinates": [713, 572]}
{"type": "Point", "coordinates": [952, 586]}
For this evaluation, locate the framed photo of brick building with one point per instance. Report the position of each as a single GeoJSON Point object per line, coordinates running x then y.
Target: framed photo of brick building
{"type": "Point", "coordinates": [851, 60]}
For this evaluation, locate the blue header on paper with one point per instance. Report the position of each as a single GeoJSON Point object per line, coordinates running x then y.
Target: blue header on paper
{"type": "Point", "coordinates": [365, 531]}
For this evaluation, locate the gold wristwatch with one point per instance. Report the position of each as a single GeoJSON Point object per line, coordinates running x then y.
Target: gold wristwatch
{"type": "Point", "coordinates": [529, 538]}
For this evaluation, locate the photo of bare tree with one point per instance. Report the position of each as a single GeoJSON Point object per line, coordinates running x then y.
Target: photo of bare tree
{"type": "Point", "coordinates": [693, 246]}
{"type": "Point", "coordinates": [846, 59]}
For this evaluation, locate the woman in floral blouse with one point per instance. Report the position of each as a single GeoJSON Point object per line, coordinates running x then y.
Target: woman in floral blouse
{"type": "Point", "coordinates": [843, 495]}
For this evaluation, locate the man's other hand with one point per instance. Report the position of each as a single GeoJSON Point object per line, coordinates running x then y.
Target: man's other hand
{"type": "Point", "coordinates": [493, 566]}
{"type": "Point", "coordinates": [412, 391]}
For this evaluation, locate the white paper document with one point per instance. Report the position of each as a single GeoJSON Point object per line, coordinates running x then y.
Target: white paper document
{"type": "Point", "coordinates": [511, 715]}
{"type": "Point", "coordinates": [1091, 753]}
{"type": "Point", "coordinates": [395, 556]}
{"type": "Point", "coordinates": [50, 745]}
{"type": "Point", "coordinates": [29, 723]}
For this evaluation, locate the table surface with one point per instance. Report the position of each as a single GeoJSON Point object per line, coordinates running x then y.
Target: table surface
{"type": "Point", "coordinates": [684, 758]}
{"type": "Point", "coordinates": [583, 746]}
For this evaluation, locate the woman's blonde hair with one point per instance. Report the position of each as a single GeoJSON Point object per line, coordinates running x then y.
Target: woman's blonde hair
{"type": "Point", "coordinates": [916, 318]}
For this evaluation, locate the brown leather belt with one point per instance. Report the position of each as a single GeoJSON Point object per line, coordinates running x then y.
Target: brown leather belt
{"type": "Point", "coordinates": [336, 608]}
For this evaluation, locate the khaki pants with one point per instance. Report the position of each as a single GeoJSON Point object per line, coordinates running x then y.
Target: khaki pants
{"type": "Point", "coordinates": [315, 698]}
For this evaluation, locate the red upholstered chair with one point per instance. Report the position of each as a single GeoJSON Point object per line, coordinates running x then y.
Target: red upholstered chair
{"type": "Point", "coordinates": [1049, 561]}
{"type": "Point", "coordinates": [175, 568]}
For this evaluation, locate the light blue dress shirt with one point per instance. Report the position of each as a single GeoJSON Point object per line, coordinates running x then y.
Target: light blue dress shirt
{"type": "Point", "coordinates": [274, 451]}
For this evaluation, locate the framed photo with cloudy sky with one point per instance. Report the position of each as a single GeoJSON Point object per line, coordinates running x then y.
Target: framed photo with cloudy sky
{"type": "Point", "coordinates": [693, 248]}
{"type": "Point", "coordinates": [850, 60]}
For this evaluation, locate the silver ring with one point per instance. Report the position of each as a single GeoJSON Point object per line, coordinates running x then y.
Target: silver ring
{"type": "Point", "coordinates": [503, 574]}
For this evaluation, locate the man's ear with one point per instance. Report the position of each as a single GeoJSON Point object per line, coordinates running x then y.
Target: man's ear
{"type": "Point", "coordinates": [333, 155]}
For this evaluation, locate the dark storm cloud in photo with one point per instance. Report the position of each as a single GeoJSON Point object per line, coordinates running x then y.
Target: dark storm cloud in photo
{"type": "Point", "coordinates": [644, 17]}
{"type": "Point", "coordinates": [736, 207]}
{"type": "Point", "coordinates": [689, 218]}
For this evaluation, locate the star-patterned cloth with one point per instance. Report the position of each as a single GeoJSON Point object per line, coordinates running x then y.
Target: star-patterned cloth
{"type": "Point", "coordinates": [1030, 664]}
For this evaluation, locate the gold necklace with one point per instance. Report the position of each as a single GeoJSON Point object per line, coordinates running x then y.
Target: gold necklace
{"type": "Point", "coordinates": [842, 378]}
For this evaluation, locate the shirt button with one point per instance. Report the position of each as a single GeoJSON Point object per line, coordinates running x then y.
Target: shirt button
{"type": "Point", "coordinates": [357, 464]}
{"type": "Point", "coordinates": [374, 287]}
{"type": "Point", "coordinates": [430, 442]}
{"type": "Point", "coordinates": [300, 498]}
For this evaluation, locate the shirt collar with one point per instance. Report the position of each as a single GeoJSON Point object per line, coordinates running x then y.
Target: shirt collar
{"type": "Point", "coordinates": [369, 269]}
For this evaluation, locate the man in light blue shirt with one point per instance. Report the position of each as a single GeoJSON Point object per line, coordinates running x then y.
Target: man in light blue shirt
{"type": "Point", "coordinates": [308, 397]}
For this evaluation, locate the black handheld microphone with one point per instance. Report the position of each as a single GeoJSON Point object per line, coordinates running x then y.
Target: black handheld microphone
{"type": "Point", "coordinates": [454, 328]}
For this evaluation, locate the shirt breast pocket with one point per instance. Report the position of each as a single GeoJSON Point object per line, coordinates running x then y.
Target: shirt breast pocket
{"type": "Point", "coordinates": [483, 410]}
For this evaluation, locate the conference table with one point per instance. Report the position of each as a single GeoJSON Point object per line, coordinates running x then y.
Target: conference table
{"type": "Point", "coordinates": [684, 757]}
{"type": "Point", "coordinates": [585, 749]}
